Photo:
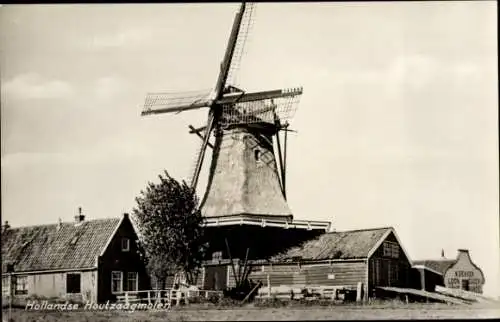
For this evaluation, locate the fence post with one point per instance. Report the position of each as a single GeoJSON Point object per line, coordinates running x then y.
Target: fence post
{"type": "Point", "coordinates": [149, 297]}
{"type": "Point", "coordinates": [358, 292]}
{"type": "Point", "coordinates": [11, 293]}
{"type": "Point", "coordinates": [126, 298]}
{"type": "Point", "coordinates": [268, 286]}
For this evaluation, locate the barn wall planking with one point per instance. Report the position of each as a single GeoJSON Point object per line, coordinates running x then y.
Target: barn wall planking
{"type": "Point", "coordinates": [325, 274]}
{"type": "Point", "coordinates": [389, 269]}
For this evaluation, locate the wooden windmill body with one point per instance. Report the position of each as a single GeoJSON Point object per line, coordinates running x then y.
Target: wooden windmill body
{"type": "Point", "coordinates": [246, 181]}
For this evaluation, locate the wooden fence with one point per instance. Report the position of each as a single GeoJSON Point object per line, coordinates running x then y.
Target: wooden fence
{"type": "Point", "coordinates": [166, 296]}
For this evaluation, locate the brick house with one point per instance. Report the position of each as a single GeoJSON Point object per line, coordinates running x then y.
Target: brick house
{"type": "Point", "coordinates": [84, 260]}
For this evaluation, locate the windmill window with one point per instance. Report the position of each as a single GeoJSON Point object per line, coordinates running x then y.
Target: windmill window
{"type": "Point", "coordinates": [257, 155]}
{"type": "Point", "coordinates": [74, 240]}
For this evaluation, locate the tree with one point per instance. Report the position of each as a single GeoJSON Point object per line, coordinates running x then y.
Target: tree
{"type": "Point", "coordinates": [170, 227]}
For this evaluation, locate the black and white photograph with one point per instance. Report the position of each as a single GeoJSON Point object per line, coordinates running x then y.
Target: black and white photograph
{"type": "Point", "coordinates": [232, 161]}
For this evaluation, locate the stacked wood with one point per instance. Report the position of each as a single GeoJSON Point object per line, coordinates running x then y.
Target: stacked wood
{"type": "Point", "coordinates": [282, 291]}
{"type": "Point", "coordinates": [299, 292]}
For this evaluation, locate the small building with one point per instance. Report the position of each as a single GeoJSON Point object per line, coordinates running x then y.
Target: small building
{"type": "Point", "coordinates": [459, 273]}
{"type": "Point", "coordinates": [374, 257]}
{"type": "Point", "coordinates": [84, 260]}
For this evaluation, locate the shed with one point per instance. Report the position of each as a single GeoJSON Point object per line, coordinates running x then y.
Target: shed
{"type": "Point", "coordinates": [374, 257]}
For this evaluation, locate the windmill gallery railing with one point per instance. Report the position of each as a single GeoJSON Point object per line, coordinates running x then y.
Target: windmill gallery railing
{"type": "Point", "coordinates": [167, 296]}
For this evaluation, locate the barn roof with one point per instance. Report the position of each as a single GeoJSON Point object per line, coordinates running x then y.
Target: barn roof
{"type": "Point", "coordinates": [352, 244]}
{"type": "Point", "coordinates": [438, 265]}
{"type": "Point", "coordinates": [58, 246]}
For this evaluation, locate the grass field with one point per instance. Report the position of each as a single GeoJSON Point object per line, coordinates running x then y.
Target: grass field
{"type": "Point", "coordinates": [251, 313]}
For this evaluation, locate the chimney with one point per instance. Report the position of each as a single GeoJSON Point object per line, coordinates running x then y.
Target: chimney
{"type": "Point", "coordinates": [80, 217]}
{"type": "Point", "coordinates": [442, 253]}
{"type": "Point", "coordinates": [5, 226]}
{"type": "Point", "coordinates": [59, 224]}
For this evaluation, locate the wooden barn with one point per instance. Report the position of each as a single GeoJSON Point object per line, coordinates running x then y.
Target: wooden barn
{"type": "Point", "coordinates": [84, 260]}
{"type": "Point", "coordinates": [459, 273]}
{"type": "Point", "coordinates": [374, 257]}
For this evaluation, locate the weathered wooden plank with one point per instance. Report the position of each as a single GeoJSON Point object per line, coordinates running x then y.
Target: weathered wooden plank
{"type": "Point", "coordinates": [331, 274]}
{"type": "Point", "coordinates": [430, 295]}
{"type": "Point", "coordinates": [462, 294]}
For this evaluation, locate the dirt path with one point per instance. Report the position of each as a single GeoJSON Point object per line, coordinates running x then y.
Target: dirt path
{"type": "Point", "coordinates": [261, 314]}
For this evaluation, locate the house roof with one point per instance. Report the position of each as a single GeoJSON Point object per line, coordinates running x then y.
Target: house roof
{"type": "Point", "coordinates": [339, 245]}
{"type": "Point", "coordinates": [45, 247]}
{"type": "Point", "coordinates": [438, 265]}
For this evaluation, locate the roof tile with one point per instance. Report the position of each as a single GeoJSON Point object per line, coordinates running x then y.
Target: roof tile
{"type": "Point", "coordinates": [46, 247]}
{"type": "Point", "coordinates": [438, 265]}
{"type": "Point", "coordinates": [337, 245]}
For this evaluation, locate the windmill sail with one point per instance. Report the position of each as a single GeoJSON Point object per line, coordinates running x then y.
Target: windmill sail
{"type": "Point", "coordinates": [169, 102]}
{"type": "Point", "coordinates": [243, 177]}
{"type": "Point", "coordinates": [241, 43]}
{"type": "Point", "coordinates": [261, 111]}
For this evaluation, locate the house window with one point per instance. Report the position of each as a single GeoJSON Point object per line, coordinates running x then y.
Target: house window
{"type": "Point", "coordinates": [73, 283]}
{"type": "Point", "coordinates": [116, 282]}
{"type": "Point", "coordinates": [132, 281]}
{"type": "Point", "coordinates": [21, 285]}
{"type": "Point", "coordinates": [125, 244]}
{"type": "Point", "coordinates": [5, 285]}
{"type": "Point", "coordinates": [391, 250]}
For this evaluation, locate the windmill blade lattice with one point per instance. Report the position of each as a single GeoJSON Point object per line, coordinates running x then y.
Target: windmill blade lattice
{"type": "Point", "coordinates": [241, 43]}
{"type": "Point", "coordinates": [175, 99]}
{"type": "Point", "coordinates": [267, 110]}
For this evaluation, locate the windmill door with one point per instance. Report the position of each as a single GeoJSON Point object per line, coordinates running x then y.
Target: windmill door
{"type": "Point", "coordinates": [215, 277]}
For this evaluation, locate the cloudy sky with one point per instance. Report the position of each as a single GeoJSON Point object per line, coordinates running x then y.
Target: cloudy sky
{"type": "Point", "coordinates": [397, 125]}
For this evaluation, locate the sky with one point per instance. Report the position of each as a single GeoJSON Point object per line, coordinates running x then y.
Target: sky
{"type": "Point", "coordinates": [397, 126]}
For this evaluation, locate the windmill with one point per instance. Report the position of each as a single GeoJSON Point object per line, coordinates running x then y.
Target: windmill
{"type": "Point", "coordinates": [246, 185]}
